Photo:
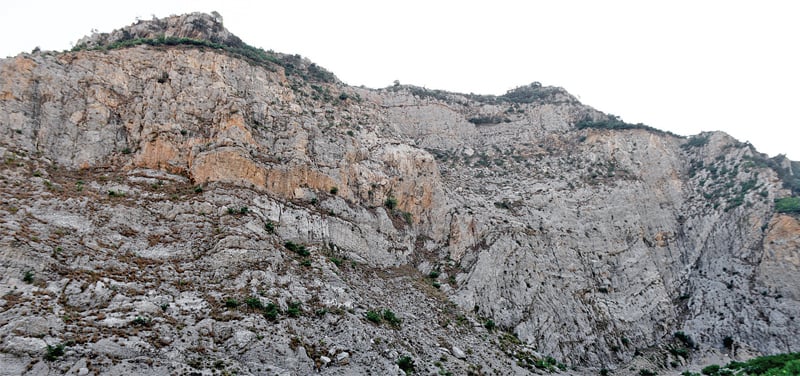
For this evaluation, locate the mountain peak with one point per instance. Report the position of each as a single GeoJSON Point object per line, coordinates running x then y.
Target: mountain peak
{"type": "Point", "coordinates": [197, 26]}
{"type": "Point", "coordinates": [203, 30]}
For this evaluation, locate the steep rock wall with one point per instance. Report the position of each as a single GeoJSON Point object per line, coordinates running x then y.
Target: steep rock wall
{"type": "Point", "coordinates": [589, 244]}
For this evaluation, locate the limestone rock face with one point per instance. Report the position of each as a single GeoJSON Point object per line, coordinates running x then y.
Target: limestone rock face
{"type": "Point", "coordinates": [199, 26]}
{"type": "Point", "coordinates": [207, 210]}
{"type": "Point", "coordinates": [779, 264]}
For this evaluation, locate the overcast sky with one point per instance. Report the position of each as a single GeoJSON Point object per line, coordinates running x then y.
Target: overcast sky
{"type": "Point", "coordinates": [682, 66]}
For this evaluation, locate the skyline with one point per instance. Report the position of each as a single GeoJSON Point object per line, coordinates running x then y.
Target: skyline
{"type": "Point", "coordinates": [678, 66]}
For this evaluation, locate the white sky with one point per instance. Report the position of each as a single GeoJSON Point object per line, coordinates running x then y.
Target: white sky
{"type": "Point", "coordinates": [682, 66]}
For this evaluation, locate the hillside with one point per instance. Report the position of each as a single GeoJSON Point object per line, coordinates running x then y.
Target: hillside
{"type": "Point", "coordinates": [175, 201]}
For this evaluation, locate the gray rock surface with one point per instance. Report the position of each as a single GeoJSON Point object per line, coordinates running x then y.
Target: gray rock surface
{"type": "Point", "coordinates": [176, 209]}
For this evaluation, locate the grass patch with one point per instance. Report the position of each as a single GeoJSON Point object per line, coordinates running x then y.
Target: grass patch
{"type": "Point", "coordinates": [788, 205]}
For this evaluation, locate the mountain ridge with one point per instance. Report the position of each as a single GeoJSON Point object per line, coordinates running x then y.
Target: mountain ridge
{"type": "Point", "coordinates": [524, 227]}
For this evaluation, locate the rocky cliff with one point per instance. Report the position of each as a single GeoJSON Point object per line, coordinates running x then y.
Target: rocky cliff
{"type": "Point", "coordinates": [176, 201]}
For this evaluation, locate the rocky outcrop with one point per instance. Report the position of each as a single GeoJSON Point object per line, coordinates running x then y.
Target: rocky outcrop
{"type": "Point", "coordinates": [198, 26]}
{"type": "Point", "coordinates": [213, 206]}
{"type": "Point", "coordinates": [592, 244]}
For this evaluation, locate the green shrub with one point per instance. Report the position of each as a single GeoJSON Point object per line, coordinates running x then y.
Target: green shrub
{"type": "Point", "coordinates": [254, 303]}
{"type": "Point", "coordinates": [290, 245]}
{"type": "Point", "coordinates": [271, 311]}
{"type": "Point", "coordinates": [306, 263]}
{"type": "Point", "coordinates": [54, 352]}
{"type": "Point", "coordinates": [646, 372]}
{"type": "Point", "coordinates": [790, 368]}
{"type": "Point", "coordinates": [489, 325]}
{"type": "Point", "coordinates": [433, 274]}
{"type": "Point", "coordinates": [711, 370]}
{"type": "Point", "coordinates": [728, 342]}
{"type": "Point", "coordinates": [28, 277]}
{"type": "Point", "coordinates": [231, 303]}
{"type": "Point", "coordinates": [749, 185]}
{"type": "Point", "coordinates": [294, 309]}
{"type": "Point", "coordinates": [141, 321]}
{"type": "Point", "coordinates": [390, 202]}
{"type": "Point", "coordinates": [297, 248]}
{"type": "Point", "coordinates": [765, 364]}
{"type": "Point", "coordinates": [679, 351]}
{"type": "Point", "coordinates": [391, 318]}
{"type": "Point", "coordinates": [787, 205]}
{"type": "Point", "coordinates": [374, 317]}
{"type": "Point", "coordinates": [406, 364]}
{"type": "Point", "coordinates": [686, 339]}
{"type": "Point", "coordinates": [548, 363]}
{"type": "Point", "coordinates": [270, 227]}
{"type": "Point", "coordinates": [334, 190]}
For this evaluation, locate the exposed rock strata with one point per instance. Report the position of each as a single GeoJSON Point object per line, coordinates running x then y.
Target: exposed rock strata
{"type": "Point", "coordinates": [146, 186]}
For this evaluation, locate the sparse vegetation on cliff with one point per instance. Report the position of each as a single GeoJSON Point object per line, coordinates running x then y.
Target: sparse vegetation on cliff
{"type": "Point", "coordinates": [531, 93]}
{"type": "Point", "coordinates": [488, 119]}
{"type": "Point", "coordinates": [54, 352]}
{"type": "Point", "coordinates": [297, 248]}
{"type": "Point", "coordinates": [293, 64]}
{"type": "Point", "coordinates": [390, 203]}
{"type": "Point", "coordinates": [613, 122]}
{"type": "Point", "coordinates": [406, 364]}
{"type": "Point", "coordinates": [785, 169]}
{"type": "Point", "coordinates": [787, 205]}
{"type": "Point", "coordinates": [696, 141]}
{"type": "Point", "coordinates": [582, 220]}
{"type": "Point", "coordinates": [770, 365]}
